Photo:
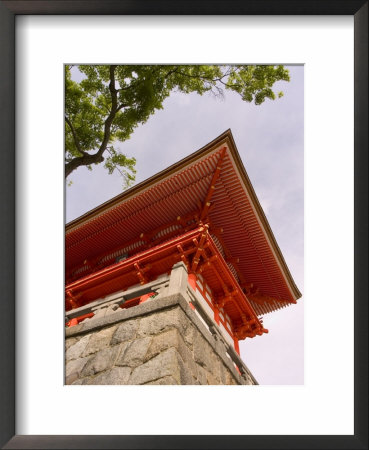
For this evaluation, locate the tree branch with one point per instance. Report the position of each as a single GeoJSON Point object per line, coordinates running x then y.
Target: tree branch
{"type": "Point", "coordinates": [97, 157]}
{"type": "Point", "coordinates": [74, 136]}
{"type": "Point", "coordinates": [137, 83]}
{"type": "Point", "coordinates": [199, 77]}
{"type": "Point", "coordinates": [113, 111]}
{"type": "Point", "coordinates": [84, 160]}
{"type": "Point", "coordinates": [123, 105]}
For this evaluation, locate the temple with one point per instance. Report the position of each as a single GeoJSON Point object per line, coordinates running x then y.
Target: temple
{"type": "Point", "coordinates": [196, 230]}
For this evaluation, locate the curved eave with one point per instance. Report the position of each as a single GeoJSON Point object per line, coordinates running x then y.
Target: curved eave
{"type": "Point", "coordinates": [262, 217]}
{"type": "Point", "coordinates": [149, 182]}
{"type": "Point", "coordinates": [224, 139]}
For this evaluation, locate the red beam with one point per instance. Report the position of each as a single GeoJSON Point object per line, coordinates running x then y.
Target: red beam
{"type": "Point", "coordinates": [112, 272]}
{"type": "Point", "coordinates": [148, 241]}
{"type": "Point", "coordinates": [211, 189]}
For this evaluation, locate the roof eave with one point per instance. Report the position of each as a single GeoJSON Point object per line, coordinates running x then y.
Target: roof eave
{"type": "Point", "coordinates": [134, 190]}
{"type": "Point", "coordinates": [224, 138]}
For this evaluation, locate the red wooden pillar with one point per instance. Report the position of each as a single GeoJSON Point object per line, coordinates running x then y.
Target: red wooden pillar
{"type": "Point", "coordinates": [192, 283]}
{"type": "Point", "coordinates": [192, 280]}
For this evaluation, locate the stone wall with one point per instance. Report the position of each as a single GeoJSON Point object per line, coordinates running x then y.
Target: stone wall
{"type": "Point", "coordinates": [161, 341]}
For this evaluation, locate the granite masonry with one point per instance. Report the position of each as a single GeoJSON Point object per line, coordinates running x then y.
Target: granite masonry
{"type": "Point", "coordinates": [162, 341]}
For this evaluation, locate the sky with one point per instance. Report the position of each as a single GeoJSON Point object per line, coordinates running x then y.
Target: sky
{"type": "Point", "coordinates": [270, 140]}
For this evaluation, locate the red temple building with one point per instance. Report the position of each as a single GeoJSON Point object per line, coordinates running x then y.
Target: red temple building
{"type": "Point", "coordinates": [197, 224]}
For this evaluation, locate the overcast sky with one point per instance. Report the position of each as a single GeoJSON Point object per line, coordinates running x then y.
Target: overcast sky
{"type": "Point", "coordinates": [270, 140]}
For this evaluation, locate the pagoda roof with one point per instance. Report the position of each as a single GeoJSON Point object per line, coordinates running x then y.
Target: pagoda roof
{"type": "Point", "coordinates": [211, 182]}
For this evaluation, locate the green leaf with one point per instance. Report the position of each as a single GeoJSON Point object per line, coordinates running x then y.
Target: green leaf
{"type": "Point", "coordinates": [100, 109]}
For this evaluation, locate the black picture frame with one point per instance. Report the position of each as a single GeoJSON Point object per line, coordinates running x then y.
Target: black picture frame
{"type": "Point", "coordinates": [8, 11]}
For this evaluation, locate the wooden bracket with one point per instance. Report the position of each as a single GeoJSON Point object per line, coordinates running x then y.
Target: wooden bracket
{"type": "Point", "coordinates": [207, 203]}
{"type": "Point", "coordinates": [183, 255]}
{"type": "Point", "coordinates": [72, 299]}
{"type": "Point", "coordinates": [141, 272]}
{"type": "Point", "coordinates": [199, 251]}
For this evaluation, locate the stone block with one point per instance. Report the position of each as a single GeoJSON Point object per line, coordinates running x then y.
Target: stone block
{"type": "Point", "coordinates": [125, 332]}
{"type": "Point", "coordinates": [69, 379]}
{"type": "Point", "coordinates": [163, 381]}
{"type": "Point", "coordinates": [210, 379]}
{"type": "Point", "coordinates": [185, 372]}
{"type": "Point", "coordinates": [122, 348]}
{"type": "Point", "coordinates": [69, 342]}
{"type": "Point", "coordinates": [203, 353]}
{"type": "Point", "coordinates": [135, 352]}
{"type": "Point", "coordinates": [201, 375]}
{"type": "Point", "coordinates": [163, 365]}
{"type": "Point", "coordinates": [159, 342]}
{"type": "Point", "coordinates": [162, 342]}
{"type": "Point", "coordinates": [189, 336]}
{"type": "Point", "coordinates": [103, 360]}
{"type": "Point", "coordinates": [99, 340]}
{"type": "Point", "coordinates": [223, 373]}
{"type": "Point", "coordinates": [76, 350]}
{"type": "Point", "coordinates": [163, 320]}
{"type": "Point", "coordinates": [220, 346]}
{"type": "Point", "coordinates": [75, 365]}
{"type": "Point", "coordinates": [216, 370]}
{"type": "Point", "coordinates": [172, 338]}
{"type": "Point", "coordinates": [229, 378]}
{"type": "Point", "coordinates": [115, 376]}
{"type": "Point", "coordinates": [86, 380]}
{"type": "Point", "coordinates": [187, 357]}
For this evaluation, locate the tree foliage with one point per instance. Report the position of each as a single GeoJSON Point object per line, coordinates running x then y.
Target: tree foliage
{"type": "Point", "coordinates": [112, 100]}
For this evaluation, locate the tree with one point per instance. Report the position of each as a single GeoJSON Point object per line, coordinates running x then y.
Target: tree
{"type": "Point", "coordinates": [112, 100]}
